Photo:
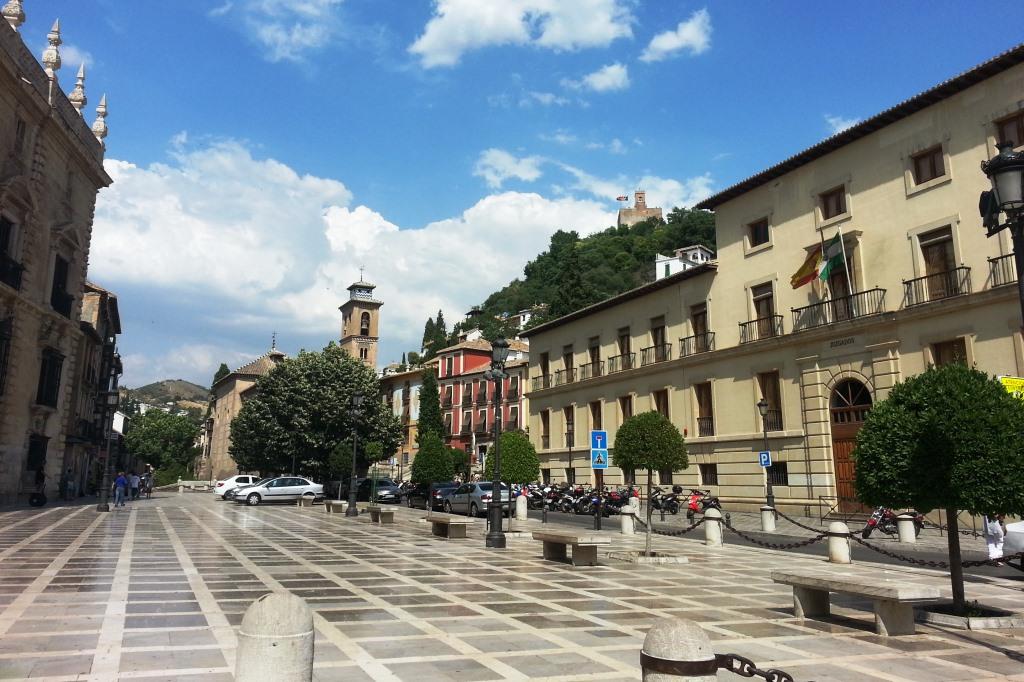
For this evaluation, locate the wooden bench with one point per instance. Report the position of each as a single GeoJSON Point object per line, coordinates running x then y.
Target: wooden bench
{"type": "Point", "coordinates": [335, 506]}
{"type": "Point", "coordinates": [381, 515]}
{"type": "Point", "coordinates": [584, 546]}
{"type": "Point", "coordinates": [448, 526]}
{"type": "Point", "coordinates": [894, 594]}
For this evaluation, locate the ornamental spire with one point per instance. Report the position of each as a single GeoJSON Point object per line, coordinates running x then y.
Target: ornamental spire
{"type": "Point", "coordinates": [99, 127]}
{"type": "Point", "coordinates": [51, 55]}
{"type": "Point", "coordinates": [77, 96]}
{"type": "Point", "coordinates": [14, 13]}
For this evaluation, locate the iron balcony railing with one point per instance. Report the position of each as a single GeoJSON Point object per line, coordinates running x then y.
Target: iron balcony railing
{"type": "Point", "coordinates": [481, 428]}
{"type": "Point", "coordinates": [542, 382]}
{"type": "Point", "coordinates": [511, 425]}
{"type": "Point", "coordinates": [937, 286]}
{"type": "Point", "coordinates": [10, 271]}
{"type": "Point", "coordinates": [1002, 270]}
{"type": "Point", "coordinates": [62, 302]}
{"type": "Point", "coordinates": [466, 429]}
{"type": "Point", "coordinates": [545, 442]}
{"type": "Point", "coordinates": [698, 343]}
{"type": "Point", "coordinates": [591, 370]}
{"type": "Point", "coordinates": [446, 401]}
{"type": "Point", "coordinates": [861, 304]}
{"type": "Point", "coordinates": [773, 420]}
{"type": "Point", "coordinates": [705, 426]}
{"type": "Point", "coordinates": [481, 397]}
{"type": "Point", "coordinates": [653, 354]}
{"type": "Point", "coordinates": [565, 376]}
{"type": "Point", "coordinates": [513, 393]}
{"type": "Point", "coordinates": [618, 363]}
{"type": "Point", "coordinates": [467, 399]}
{"type": "Point", "coordinates": [761, 328]}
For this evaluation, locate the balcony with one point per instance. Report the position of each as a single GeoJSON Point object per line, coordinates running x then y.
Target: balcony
{"type": "Point", "coordinates": [565, 376]}
{"type": "Point", "coordinates": [480, 428]}
{"type": "Point", "coordinates": [542, 382]}
{"type": "Point", "coordinates": [705, 426]}
{"type": "Point", "coordinates": [591, 370]}
{"type": "Point", "coordinates": [1002, 270]}
{"type": "Point", "coordinates": [481, 397]}
{"type": "Point", "coordinates": [513, 393]}
{"type": "Point", "coordinates": [10, 271]}
{"type": "Point", "coordinates": [467, 399]}
{"type": "Point", "coordinates": [446, 401]}
{"type": "Point", "coordinates": [698, 343]}
{"type": "Point", "coordinates": [761, 328]}
{"type": "Point", "coordinates": [773, 420]}
{"type": "Point", "coordinates": [511, 425]}
{"type": "Point", "coordinates": [618, 363]}
{"type": "Point", "coordinates": [61, 302]}
{"type": "Point", "coordinates": [937, 286]}
{"type": "Point", "coordinates": [466, 429]}
{"type": "Point", "coordinates": [653, 354]}
{"type": "Point", "coordinates": [861, 304]}
{"type": "Point", "coordinates": [545, 442]}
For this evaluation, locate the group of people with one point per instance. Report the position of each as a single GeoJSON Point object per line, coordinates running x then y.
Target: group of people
{"type": "Point", "coordinates": [131, 487]}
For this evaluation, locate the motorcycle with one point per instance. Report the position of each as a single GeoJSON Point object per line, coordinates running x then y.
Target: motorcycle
{"type": "Point", "coordinates": [699, 501]}
{"type": "Point", "coordinates": [884, 519]}
{"type": "Point", "coordinates": [669, 502]}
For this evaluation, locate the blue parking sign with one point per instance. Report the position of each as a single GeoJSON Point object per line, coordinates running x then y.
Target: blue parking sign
{"type": "Point", "coordinates": [764, 458]}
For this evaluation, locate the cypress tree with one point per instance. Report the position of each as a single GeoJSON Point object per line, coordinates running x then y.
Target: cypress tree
{"type": "Point", "coordinates": [429, 420]}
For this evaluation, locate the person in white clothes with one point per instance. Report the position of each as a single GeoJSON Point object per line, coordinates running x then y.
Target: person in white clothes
{"type": "Point", "coordinates": [994, 535]}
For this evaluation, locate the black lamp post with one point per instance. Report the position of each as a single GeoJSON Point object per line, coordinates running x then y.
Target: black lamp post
{"type": "Point", "coordinates": [111, 399]}
{"type": "Point", "coordinates": [762, 407]}
{"type": "Point", "coordinates": [357, 400]}
{"type": "Point", "coordinates": [570, 438]}
{"type": "Point", "coordinates": [1006, 172]}
{"type": "Point", "coordinates": [495, 535]}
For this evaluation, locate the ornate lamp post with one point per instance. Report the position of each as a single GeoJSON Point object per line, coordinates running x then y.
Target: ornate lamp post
{"type": "Point", "coordinates": [762, 407]}
{"type": "Point", "coordinates": [1006, 172]}
{"type": "Point", "coordinates": [499, 354]}
{"type": "Point", "coordinates": [111, 398]}
{"type": "Point", "coordinates": [357, 401]}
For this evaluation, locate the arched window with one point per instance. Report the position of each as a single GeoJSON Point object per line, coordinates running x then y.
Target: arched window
{"type": "Point", "coordinates": [364, 324]}
{"type": "Point", "coordinates": [850, 403]}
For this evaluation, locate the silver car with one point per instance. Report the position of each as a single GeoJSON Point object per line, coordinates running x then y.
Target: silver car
{"type": "Point", "coordinates": [280, 489]}
{"type": "Point", "coordinates": [473, 498]}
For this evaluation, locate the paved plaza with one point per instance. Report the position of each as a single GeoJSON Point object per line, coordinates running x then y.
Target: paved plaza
{"type": "Point", "coordinates": [155, 591]}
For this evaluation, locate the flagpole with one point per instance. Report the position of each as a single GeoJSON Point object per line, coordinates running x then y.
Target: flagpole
{"type": "Point", "coordinates": [846, 262]}
{"type": "Point", "coordinates": [821, 260]}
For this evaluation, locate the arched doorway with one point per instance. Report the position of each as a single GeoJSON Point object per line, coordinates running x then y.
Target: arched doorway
{"type": "Point", "coordinates": [848, 407]}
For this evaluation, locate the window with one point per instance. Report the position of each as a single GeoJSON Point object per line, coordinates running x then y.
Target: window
{"type": "Point", "coordinates": [364, 353]}
{"type": "Point", "coordinates": [6, 332]}
{"type": "Point", "coordinates": [928, 165]}
{"type": "Point", "coordinates": [941, 279]}
{"type": "Point", "coordinates": [481, 421]}
{"type": "Point", "coordinates": [448, 423]}
{"type": "Point", "coordinates": [666, 270]}
{"type": "Point", "coordinates": [513, 418]}
{"type": "Point", "coordinates": [36, 459]}
{"type": "Point", "coordinates": [60, 299]}
{"type": "Point", "coordinates": [708, 474]}
{"type": "Point", "coordinates": [778, 473]}
{"type": "Point", "coordinates": [544, 364]}
{"type": "Point", "coordinates": [705, 415]}
{"type": "Point", "coordinates": [49, 378]}
{"type": "Point", "coordinates": [661, 402]}
{"type": "Point", "coordinates": [763, 299]}
{"type": "Point", "coordinates": [448, 395]}
{"type": "Point", "coordinates": [448, 361]}
{"type": "Point", "coordinates": [364, 324]}
{"type": "Point", "coordinates": [699, 324]}
{"type": "Point", "coordinates": [664, 477]}
{"type": "Point", "coordinates": [658, 331]}
{"type": "Point", "coordinates": [545, 429]}
{"type": "Point", "coordinates": [948, 352]}
{"type": "Point", "coordinates": [594, 349]}
{"type": "Point", "coordinates": [758, 233]}
{"type": "Point", "coordinates": [626, 406]}
{"type": "Point", "coordinates": [833, 202]}
{"type": "Point", "coordinates": [1011, 129]}
{"type": "Point", "coordinates": [19, 134]}
{"type": "Point", "coordinates": [768, 382]}
{"type": "Point", "coordinates": [545, 475]}
{"type": "Point", "coordinates": [6, 237]}
{"type": "Point", "coordinates": [570, 427]}
{"type": "Point", "coordinates": [624, 343]}
{"type": "Point", "coordinates": [595, 416]}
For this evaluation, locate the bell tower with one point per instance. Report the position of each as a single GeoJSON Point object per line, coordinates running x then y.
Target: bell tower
{"type": "Point", "coordinates": [360, 317]}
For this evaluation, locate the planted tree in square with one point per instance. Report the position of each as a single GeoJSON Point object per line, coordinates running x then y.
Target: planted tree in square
{"type": "Point", "coordinates": [951, 438]}
{"type": "Point", "coordinates": [649, 441]}
{"type": "Point", "coordinates": [432, 463]}
{"type": "Point", "coordinates": [519, 461]}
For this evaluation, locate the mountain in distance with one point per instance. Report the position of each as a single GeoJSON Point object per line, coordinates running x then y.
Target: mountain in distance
{"type": "Point", "coordinates": [182, 394]}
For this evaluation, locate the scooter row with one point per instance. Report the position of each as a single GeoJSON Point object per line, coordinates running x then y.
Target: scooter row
{"type": "Point", "coordinates": [579, 500]}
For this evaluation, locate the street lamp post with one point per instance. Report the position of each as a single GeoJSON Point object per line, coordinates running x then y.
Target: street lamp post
{"type": "Point", "coordinates": [357, 400]}
{"type": "Point", "coordinates": [1006, 172]}
{"type": "Point", "coordinates": [112, 399]}
{"type": "Point", "coordinates": [570, 436]}
{"type": "Point", "coordinates": [762, 407]}
{"type": "Point", "coordinates": [495, 535]}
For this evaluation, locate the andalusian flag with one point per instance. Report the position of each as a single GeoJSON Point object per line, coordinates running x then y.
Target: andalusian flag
{"type": "Point", "coordinates": [832, 257]}
{"type": "Point", "coordinates": [809, 270]}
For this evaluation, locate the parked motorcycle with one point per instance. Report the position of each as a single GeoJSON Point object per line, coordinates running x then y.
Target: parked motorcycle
{"type": "Point", "coordinates": [667, 501]}
{"type": "Point", "coordinates": [884, 519]}
{"type": "Point", "coordinates": [699, 501]}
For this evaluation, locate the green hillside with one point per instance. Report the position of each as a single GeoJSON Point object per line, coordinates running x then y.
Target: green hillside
{"type": "Point", "coordinates": [171, 391]}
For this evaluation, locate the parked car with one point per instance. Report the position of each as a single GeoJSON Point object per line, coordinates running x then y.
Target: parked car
{"type": "Point", "coordinates": [416, 496]}
{"type": "Point", "coordinates": [221, 487]}
{"type": "Point", "coordinates": [280, 489]}
{"type": "Point", "coordinates": [230, 495]}
{"type": "Point", "coordinates": [473, 498]}
{"type": "Point", "coordinates": [388, 491]}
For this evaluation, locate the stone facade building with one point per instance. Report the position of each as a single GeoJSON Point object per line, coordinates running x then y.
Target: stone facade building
{"type": "Point", "coordinates": [360, 322]}
{"type": "Point", "coordinates": [401, 390]}
{"type": "Point", "coordinates": [640, 211]}
{"type": "Point", "coordinates": [51, 168]}
{"type": "Point", "coordinates": [919, 284]}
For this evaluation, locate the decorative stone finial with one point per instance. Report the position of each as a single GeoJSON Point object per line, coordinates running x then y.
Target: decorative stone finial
{"type": "Point", "coordinates": [51, 55]}
{"type": "Point", "coordinates": [14, 14]}
{"type": "Point", "coordinates": [77, 96]}
{"type": "Point", "coordinates": [99, 126]}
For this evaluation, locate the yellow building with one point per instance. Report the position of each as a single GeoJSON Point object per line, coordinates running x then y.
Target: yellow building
{"type": "Point", "coordinates": [360, 322]}
{"type": "Point", "coordinates": [920, 284]}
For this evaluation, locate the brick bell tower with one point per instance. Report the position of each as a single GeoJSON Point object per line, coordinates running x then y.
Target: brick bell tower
{"type": "Point", "coordinates": [360, 317]}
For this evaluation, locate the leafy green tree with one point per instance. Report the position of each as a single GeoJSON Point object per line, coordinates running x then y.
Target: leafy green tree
{"type": "Point", "coordinates": [570, 294]}
{"type": "Point", "coordinates": [950, 438]}
{"type": "Point", "coordinates": [221, 372]}
{"type": "Point", "coordinates": [165, 441]}
{"type": "Point", "coordinates": [415, 359]}
{"type": "Point", "coordinates": [519, 461]}
{"type": "Point", "coordinates": [374, 452]}
{"type": "Point", "coordinates": [649, 441]}
{"type": "Point", "coordinates": [432, 463]}
{"type": "Point", "coordinates": [429, 420]}
{"type": "Point", "coordinates": [428, 336]}
{"type": "Point", "coordinates": [460, 461]}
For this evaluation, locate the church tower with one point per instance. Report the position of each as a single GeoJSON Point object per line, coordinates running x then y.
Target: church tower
{"type": "Point", "coordinates": [360, 317]}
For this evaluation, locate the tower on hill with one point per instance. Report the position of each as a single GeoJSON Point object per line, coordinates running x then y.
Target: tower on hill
{"type": "Point", "coordinates": [360, 317]}
{"type": "Point", "coordinates": [640, 210]}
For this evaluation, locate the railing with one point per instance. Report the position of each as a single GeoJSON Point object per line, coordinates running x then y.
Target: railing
{"type": "Point", "coordinates": [698, 343]}
{"type": "Point", "coordinates": [511, 425]}
{"type": "Point", "coordinates": [761, 328]}
{"type": "Point", "coordinates": [705, 426]}
{"type": "Point", "coordinates": [541, 382]}
{"type": "Point", "coordinates": [10, 271]}
{"type": "Point", "coordinates": [938, 286]}
{"type": "Point", "coordinates": [512, 394]}
{"type": "Point", "coordinates": [446, 401]}
{"type": "Point", "coordinates": [466, 429]}
{"type": "Point", "coordinates": [481, 428]}
{"type": "Point", "coordinates": [467, 399]}
{"type": "Point", "coordinates": [481, 398]}
{"type": "Point", "coordinates": [773, 420]}
{"type": "Point", "coordinates": [1002, 270]}
{"type": "Point", "coordinates": [62, 302]}
{"type": "Point", "coordinates": [565, 376]}
{"type": "Point", "coordinates": [545, 442]}
{"type": "Point", "coordinates": [861, 304]}
{"type": "Point", "coordinates": [618, 363]}
{"type": "Point", "coordinates": [591, 370]}
{"type": "Point", "coordinates": [653, 354]}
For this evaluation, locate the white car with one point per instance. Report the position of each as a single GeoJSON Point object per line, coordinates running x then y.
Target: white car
{"type": "Point", "coordinates": [281, 489]}
{"type": "Point", "coordinates": [238, 481]}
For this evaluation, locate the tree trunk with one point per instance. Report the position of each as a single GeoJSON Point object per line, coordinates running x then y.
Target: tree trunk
{"type": "Point", "coordinates": [956, 571]}
{"type": "Point", "coordinates": [647, 548]}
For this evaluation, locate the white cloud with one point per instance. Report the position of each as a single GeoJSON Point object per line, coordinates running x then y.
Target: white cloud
{"type": "Point", "coordinates": [221, 10]}
{"type": "Point", "coordinates": [606, 79]}
{"type": "Point", "coordinates": [838, 124]}
{"type": "Point", "coordinates": [286, 29]}
{"type": "Point", "coordinates": [460, 26]}
{"type": "Point", "coordinates": [562, 137]}
{"type": "Point", "coordinates": [693, 35]}
{"type": "Point", "coordinates": [189, 361]}
{"type": "Point", "coordinates": [73, 56]}
{"type": "Point", "coordinates": [668, 193]}
{"type": "Point", "coordinates": [546, 99]}
{"type": "Point", "coordinates": [496, 166]}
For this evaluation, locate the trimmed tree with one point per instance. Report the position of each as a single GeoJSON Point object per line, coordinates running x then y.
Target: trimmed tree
{"type": "Point", "coordinates": [432, 463]}
{"type": "Point", "coordinates": [649, 441]}
{"type": "Point", "coordinates": [460, 461]}
{"type": "Point", "coordinates": [519, 461]}
{"type": "Point", "coordinates": [165, 441]}
{"type": "Point", "coordinates": [951, 438]}
{"type": "Point", "coordinates": [429, 420]}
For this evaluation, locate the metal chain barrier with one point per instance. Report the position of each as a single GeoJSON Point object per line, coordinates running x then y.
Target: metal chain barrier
{"type": "Point", "coordinates": [744, 667]}
{"type": "Point", "coordinates": [734, 663]}
{"type": "Point", "coordinates": [671, 533]}
{"type": "Point", "coordinates": [1004, 560]}
{"type": "Point", "coordinates": [773, 545]}
{"type": "Point", "coordinates": [797, 523]}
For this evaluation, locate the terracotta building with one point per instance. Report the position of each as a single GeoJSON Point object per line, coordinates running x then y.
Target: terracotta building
{"type": "Point", "coordinates": [360, 320]}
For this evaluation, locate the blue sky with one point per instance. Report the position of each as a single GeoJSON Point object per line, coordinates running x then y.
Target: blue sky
{"type": "Point", "coordinates": [262, 150]}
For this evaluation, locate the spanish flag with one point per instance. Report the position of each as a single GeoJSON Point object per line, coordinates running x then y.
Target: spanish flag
{"type": "Point", "coordinates": [809, 270]}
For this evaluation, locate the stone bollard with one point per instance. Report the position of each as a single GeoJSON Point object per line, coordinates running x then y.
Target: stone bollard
{"type": "Point", "coordinates": [275, 640]}
{"type": "Point", "coordinates": [675, 640]}
{"type": "Point", "coordinates": [634, 504]}
{"type": "Point", "coordinates": [521, 508]}
{"type": "Point", "coordinates": [838, 543]}
{"type": "Point", "coordinates": [627, 519]}
{"type": "Point", "coordinates": [905, 528]}
{"type": "Point", "coordinates": [768, 519]}
{"type": "Point", "coordinates": [181, 487]}
{"type": "Point", "coordinates": [713, 527]}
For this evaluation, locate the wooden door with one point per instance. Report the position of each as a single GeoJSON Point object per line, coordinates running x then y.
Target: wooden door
{"type": "Point", "coordinates": [849, 405]}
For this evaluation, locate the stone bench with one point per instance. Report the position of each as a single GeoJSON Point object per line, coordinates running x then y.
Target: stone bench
{"type": "Point", "coordinates": [335, 506]}
{"type": "Point", "coordinates": [381, 515]}
{"type": "Point", "coordinates": [584, 546]}
{"type": "Point", "coordinates": [304, 501]}
{"type": "Point", "coordinates": [894, 594]}
{"type": "Point", "coordinates": [448, 526]}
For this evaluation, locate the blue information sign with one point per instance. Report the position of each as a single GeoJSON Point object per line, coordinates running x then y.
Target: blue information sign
{"type": "Point", "coordinates": [598, 440]}
{"type": "Point", "coordinates": [598, 459]}
{"type": "Point", "coordinates": [598, 449]}
{"type": "Point", "coordinates": [765, 458]}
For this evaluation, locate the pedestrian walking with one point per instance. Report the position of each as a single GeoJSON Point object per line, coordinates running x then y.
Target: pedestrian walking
{"type": "Point", "coordinates": [994, 535]}
{"type": "Point", "coordinates": [120, 489]}
{"type": "Point", "coordinates": [66, 484]}
{"type": "Point", "coordinates": [133, 481]}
